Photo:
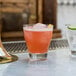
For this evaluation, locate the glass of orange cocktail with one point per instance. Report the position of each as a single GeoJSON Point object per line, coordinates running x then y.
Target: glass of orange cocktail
{"type": "Point", "coordinates": [38, 39]}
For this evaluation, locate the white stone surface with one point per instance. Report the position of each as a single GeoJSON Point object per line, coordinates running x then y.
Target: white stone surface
{"type": "Point", "coordinates": [59, 63]}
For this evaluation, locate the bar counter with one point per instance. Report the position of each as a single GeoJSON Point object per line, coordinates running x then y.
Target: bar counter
{"type": "Point", "coordinates": [60, 62]}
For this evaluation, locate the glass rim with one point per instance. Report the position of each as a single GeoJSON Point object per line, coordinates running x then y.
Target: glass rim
{"type": "Point", "coordinates": [25, 27]}
{"type": "Point", "coordinates": [33, 24]}
{"type": "Point", "coordinates": [71, 27]}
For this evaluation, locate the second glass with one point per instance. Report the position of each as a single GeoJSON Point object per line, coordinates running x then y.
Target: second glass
{"type": "Point", "coordinates": [71, 35]}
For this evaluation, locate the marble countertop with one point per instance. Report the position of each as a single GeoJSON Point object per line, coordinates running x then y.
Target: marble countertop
{"type": "Point", "coordinates": [59, 63]}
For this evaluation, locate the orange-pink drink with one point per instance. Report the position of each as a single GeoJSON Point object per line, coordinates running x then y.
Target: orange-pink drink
{"type": "Point", "coordinates": [38, 40]}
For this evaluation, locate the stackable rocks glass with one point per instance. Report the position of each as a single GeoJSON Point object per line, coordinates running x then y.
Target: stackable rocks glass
{"type": "Point", "coordinates": [38, 38]}
{"type": "Point", "coordinates": [71, 35]}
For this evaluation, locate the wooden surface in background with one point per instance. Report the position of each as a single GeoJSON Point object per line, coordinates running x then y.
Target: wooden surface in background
{"type": "Point", "coordinates": [33, 16]}
{"type": "Point", "coordinates": [14, 1]}
{"type": "Point", "coordinates": [50, 12]}
{"type": "Point", "coordinates": [11, 9]}
{"type": "Point", "coordinates": [40, 11]}
{"type": "Point", "coordinates": [13, 6]}
{"type": "Point", "coordinates": [46, 11]}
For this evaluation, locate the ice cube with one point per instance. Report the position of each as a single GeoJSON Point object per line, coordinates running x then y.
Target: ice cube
{"type": "Point", "coordinates": [39, 26]}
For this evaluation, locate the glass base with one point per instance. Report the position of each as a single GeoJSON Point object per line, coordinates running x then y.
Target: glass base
{"type": "Point", "coordinates": [38, 56]}
{"type": "Point", "coordinates": [4, 60]}
{"type": "Point", "coordinates": [73, 53]}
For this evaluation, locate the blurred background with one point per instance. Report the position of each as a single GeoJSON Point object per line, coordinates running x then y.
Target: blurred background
{"type": "Point", "coordinates": [15, 13]}
{"type": "Point", "coordinates": [66, 13]}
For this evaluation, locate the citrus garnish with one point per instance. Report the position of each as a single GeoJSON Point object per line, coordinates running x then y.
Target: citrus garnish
{"type": "Point", "coordinates": [50, 25]}
{"type": "Point", "coordinates": [72, 27]}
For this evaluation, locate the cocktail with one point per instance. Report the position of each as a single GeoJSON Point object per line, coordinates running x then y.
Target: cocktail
{"type": "Point", "coordinates": [38, 38]}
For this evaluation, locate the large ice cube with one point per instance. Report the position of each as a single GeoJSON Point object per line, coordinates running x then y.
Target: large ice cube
{"type": "Point", "coordinates": [39, 26]}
